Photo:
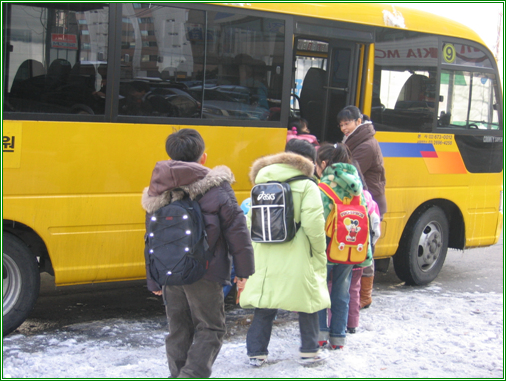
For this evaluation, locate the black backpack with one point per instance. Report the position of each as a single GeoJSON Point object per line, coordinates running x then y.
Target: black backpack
{"type": "Point", "coordinates": [176, 243]}
{"type": "Point", "coordinates": [272, 214]}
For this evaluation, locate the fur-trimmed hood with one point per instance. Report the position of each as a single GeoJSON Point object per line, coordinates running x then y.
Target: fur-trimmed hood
{"type": "Point", "coordinates": [171, 179]}
{"type": "Point", "coordinates": [362, 133]}
{"type": "Point", "coordinates": [298, 162]}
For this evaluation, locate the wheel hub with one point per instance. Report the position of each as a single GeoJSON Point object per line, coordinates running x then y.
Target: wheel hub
{"type": "Point", "coordinates": [11, 283]}
{"type": "Point", "coordinates": [429, 246]}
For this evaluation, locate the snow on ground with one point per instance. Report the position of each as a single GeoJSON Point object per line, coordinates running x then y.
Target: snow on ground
{"type": "Point", "coordinates": [421, 333]}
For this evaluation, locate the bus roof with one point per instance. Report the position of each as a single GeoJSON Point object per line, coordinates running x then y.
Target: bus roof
{"type": "Point", "coordinates": [369, 14]}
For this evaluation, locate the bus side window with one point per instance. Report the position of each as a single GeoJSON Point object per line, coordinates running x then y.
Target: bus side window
{"type": "Point", "coordinates": [467, 100]}
{"type": "Point", "coordinates": [404, 85]}
{"type": "Point", "coordinates": [58, 68]}
{"type": "Point", "coordinates": [414, 106]}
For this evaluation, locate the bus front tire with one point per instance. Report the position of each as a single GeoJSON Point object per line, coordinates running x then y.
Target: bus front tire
{"type": "Point", "coordinates": [21, 282]}
{"type": "Point", "coordinates": [422, 251]}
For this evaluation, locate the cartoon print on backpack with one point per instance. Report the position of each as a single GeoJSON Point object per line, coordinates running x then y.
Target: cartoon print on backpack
{"type": "Point", "coordinates": [353, 229]}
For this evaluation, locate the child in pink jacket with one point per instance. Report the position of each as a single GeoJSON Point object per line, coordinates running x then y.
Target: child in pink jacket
{"type": "Point", "coordinates": [297, 129]}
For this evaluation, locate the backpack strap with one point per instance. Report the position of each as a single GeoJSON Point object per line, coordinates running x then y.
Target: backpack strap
{"type": "Point", "coordinates": [301, 177]}
{"type": "Point", "coordinates": [355, 200]}
{"type": "Point", "coordinates": [295, 178]}
{"type": "Point", "coordinates": [329, 192]}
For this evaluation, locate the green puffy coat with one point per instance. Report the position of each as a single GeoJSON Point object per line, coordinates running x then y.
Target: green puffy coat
{"type": "Point", "coordinates": [291, 275]}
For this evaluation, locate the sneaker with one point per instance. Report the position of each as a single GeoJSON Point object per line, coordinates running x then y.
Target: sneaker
{"type": "Point", "coordinates": [323, 343]}
{"type": "Point", "coordinates": [336, 347]}
{"type": "Point", "coordinates": [255, 361]}
{"type": "Point", "coordinates": [351, 330]}
{"type": "Point", "coordinates": [320, 356]}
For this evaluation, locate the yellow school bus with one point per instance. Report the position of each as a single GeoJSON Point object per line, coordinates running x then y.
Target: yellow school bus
{"type": "Point", "coordinates": [92, 90]}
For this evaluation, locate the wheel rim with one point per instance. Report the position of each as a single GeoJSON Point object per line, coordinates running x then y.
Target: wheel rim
{"type": "Point", "coordinates": [11, 283]}
{"type": "Point", "coordinates": [429, 246]}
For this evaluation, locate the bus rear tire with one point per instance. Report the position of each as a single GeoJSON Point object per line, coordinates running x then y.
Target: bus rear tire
{"type": "Point", "coordinates": [422, 251]}
{"type": "Point", "coordinates": [21, 282]}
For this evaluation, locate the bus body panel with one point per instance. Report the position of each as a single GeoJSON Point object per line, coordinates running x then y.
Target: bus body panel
{"type": "Point", "coordinates": [62, 158]}
{"type": "Point", "coordinates": [476, 195]}
{"type": "Point", "coordinates": [88, 212]}
{"type": "Point", "coordinates": [89, 215]}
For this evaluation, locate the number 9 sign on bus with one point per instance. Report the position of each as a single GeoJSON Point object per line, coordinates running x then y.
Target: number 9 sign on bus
{"type": "Point", "coordinates": [449, 53]}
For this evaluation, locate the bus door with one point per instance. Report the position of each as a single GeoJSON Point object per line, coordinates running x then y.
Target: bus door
{"type": "Point", "coordinates": [325, 78]}
{"type": "Point", "coordinates": [341, 86]}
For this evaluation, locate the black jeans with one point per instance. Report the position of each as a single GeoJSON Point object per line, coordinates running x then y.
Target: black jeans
{"type": "Point", "coordinates": [196, 317]}
{"type": "Point", "coordinates": [259, 333]}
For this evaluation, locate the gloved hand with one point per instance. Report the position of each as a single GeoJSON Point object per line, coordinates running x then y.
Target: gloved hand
{"type": "Point", "coordinates": [241, 283]}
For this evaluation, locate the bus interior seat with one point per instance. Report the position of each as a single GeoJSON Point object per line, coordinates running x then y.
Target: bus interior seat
{"type": "Point", "coordinates": [414, 108]}
{"type": "Point", "coordinates": [27, 86]}
{"type": "Point", "coordinates": [84, 75]}
{"type": "Point", "coordinates": [413, 91]}
{"type": "Point", "coordinates": [29, 69]}
{"type": "Point", "coordinates": [25, 74]}
{"type": "Point", "coordinates": [58, 73]}
{"type": "Point", "coordinates": [312, 97]}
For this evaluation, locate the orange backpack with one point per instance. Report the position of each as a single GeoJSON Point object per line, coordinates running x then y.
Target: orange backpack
{"type": "Point", "coordinates": [348, 228]}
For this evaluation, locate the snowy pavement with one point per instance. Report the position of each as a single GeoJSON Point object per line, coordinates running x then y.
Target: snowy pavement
{"type": "Point", "coordinates": [416, 333]}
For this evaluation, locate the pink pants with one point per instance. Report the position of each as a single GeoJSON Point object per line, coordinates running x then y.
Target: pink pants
{"type": "Point", "coordinates": [354, 309]}
{"type": "Point", "coordinates": [354, 305]}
